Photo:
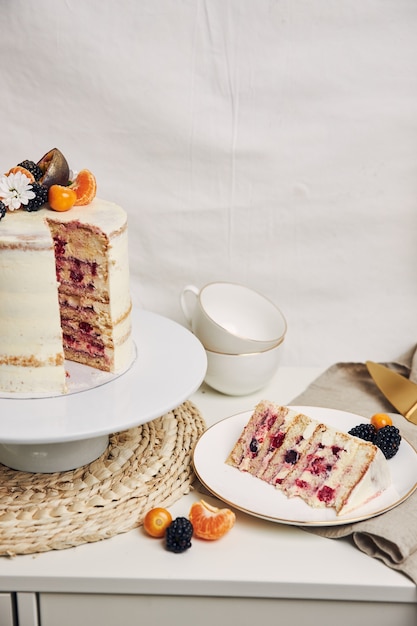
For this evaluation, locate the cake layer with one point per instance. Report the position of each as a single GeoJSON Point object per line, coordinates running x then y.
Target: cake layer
{"type": "Point", "coordinates": [80, 277]}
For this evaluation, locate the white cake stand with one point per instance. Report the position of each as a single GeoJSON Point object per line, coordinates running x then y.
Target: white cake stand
{"type": "Point", "coordinates": [54, 434]}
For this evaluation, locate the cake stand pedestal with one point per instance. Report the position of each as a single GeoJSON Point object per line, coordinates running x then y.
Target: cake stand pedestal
{"type": "Point", "coordinates": [59, 433]}
{"type": "Point", "coordinates": [52, 457]}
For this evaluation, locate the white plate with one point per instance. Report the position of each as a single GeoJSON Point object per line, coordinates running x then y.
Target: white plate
{"type": "Point", "coordinates": [170, 365]}
{"type": "Point", "coordinates": [258, 498]}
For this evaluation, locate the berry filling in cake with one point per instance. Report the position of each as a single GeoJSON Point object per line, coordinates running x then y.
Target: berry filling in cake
{"type": "Point", "coordinates": [83, 277]}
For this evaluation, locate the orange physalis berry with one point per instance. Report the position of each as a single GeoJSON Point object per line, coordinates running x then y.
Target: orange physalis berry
{"type": "Point", "coordinates": [61, 198]}
{"type": "Point", "coordinates": [156, 521]}
{"type": "Point", "coordinates": [379, 420]}
{"type": "Point", "coordinates": [209, 522]}
{"type": "Point", "coordinates": [85, 187]}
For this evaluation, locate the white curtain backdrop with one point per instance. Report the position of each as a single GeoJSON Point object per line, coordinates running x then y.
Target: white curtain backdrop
{"type": "Point", "coordinates": [268, 142]}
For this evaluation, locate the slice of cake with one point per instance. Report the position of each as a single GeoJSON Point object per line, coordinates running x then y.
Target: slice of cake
{"type": "Point", "coordinates": [305, 458]}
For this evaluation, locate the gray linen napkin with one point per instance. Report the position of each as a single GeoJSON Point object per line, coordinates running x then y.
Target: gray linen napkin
{"type": "Point", "coordinates": [392, 536]}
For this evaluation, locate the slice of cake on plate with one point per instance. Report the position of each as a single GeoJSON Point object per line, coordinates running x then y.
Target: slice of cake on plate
{"type": "Point", "coordinates": [303, 457]}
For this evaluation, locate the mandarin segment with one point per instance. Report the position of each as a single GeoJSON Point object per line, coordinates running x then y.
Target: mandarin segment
{"type": "Point", "coordinates": [22, 170]}
{"type": "Point", "coordinates": [210, 522]}
{"type": "Point", "coordinates": [85, 186]}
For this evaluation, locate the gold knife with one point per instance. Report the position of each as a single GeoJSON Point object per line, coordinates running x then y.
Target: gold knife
{"type": "Point", "coordinates": [401, 392]}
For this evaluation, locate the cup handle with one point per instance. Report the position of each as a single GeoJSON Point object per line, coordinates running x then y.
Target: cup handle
{"type": "Point", "coordinates": [183, 300]}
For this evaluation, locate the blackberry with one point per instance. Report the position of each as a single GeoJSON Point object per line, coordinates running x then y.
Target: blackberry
{"type": "Point", "coordinates": [41, 197]}
{"type": "Point", "coordinates": [3, 210]}
{"type": "Point", "coordinates": [32, 167]}
{"type": "Point", "coordinates": [292, 456]}
{"type": "Point", "coordinates": [178, 535]}
{"type": "Point", "coordinates": [366, 432]}
{"type": "Point", "coordinates": [388, 439]}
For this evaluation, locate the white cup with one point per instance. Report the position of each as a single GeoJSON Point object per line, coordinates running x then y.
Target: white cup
{"type": "Point", "coordinates": [242, 374]}
{"type": "Point", "coordinates": [232, 319]}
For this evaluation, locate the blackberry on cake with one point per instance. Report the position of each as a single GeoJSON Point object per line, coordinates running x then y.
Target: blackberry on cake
{"type": "Point", "coordinates": [41, 197]}
{"type": "Point", "coordinates": [31, 167]}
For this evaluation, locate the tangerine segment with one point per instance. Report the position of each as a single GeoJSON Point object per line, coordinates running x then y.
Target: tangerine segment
{"type": "Point", "coordinates": [85, 186]}
{"type": "Point", "coordinates": [23, 170]}
{"type": "Point", "coordinates": [209, 522]}
{"type": "Point", "coordinates": [156, 521]}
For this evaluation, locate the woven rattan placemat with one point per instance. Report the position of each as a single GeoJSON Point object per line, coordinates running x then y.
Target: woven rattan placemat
{"type": "Point", "coordinates": [143, 467]}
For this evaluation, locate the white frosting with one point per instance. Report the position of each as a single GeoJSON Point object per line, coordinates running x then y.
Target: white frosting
{"type": "Point", "coordinates": [29, 312]}
{"type": "Point", "coordinates": [375, 481]}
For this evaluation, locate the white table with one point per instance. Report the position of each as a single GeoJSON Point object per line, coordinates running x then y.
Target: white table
{"type": "Point", "coordinates": [261, 571]}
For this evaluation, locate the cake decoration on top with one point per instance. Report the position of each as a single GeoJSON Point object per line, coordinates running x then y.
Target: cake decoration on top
{"type": "Point", "coordinates": [30, 186]}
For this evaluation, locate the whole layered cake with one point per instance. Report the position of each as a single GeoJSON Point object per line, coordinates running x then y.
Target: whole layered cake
{"type": "Point", "coordinates": [302, 457]}
{"type": "Point", "coordinates": [64, 277]}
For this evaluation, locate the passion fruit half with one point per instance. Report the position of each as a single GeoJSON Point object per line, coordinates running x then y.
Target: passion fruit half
{"type": "Point", "coordinates": [55, 169]}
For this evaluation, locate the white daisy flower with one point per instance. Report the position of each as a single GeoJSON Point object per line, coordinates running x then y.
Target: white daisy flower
{"type": "Point", "coordinates": [15, 190]}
